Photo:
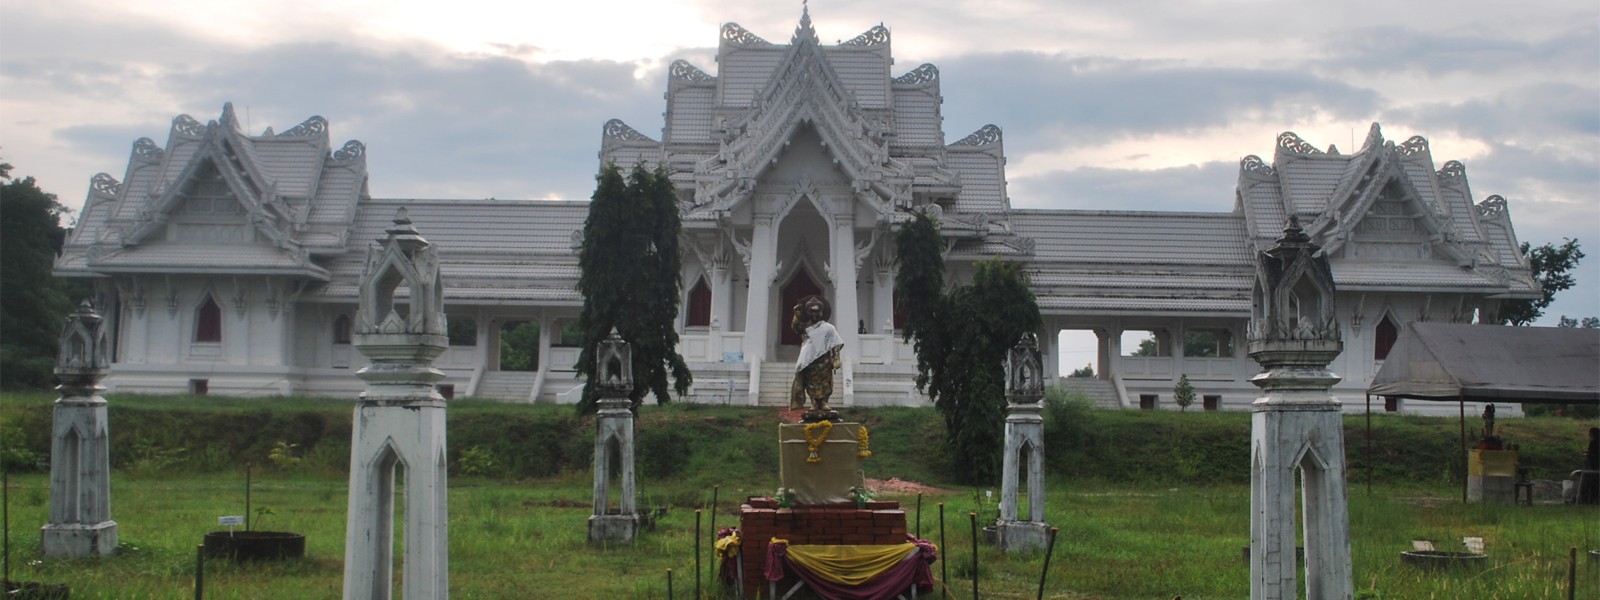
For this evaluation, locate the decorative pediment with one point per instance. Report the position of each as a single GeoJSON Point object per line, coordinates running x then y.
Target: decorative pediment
{"type": "Point", "coordinates": [1385, 207]}
{"type": "Point", "coordinates": [803, 91]}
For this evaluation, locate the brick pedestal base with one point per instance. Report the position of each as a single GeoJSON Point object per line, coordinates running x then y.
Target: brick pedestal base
{"type": "Point", "coordinates": [760, 520]}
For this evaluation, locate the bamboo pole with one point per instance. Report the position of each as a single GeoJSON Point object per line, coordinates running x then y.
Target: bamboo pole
{"type": "Point", "coordinates": [697, 554]}
{"type": "Point", "coordinates": [944, 564]}
{"type": "Point", "coordinates": [974, 517]}
{"type": "Point", "coordinates": [1049, 549]}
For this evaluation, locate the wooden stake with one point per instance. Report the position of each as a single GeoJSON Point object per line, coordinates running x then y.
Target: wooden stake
{"type": "Point", "coordinates": [1049, 549]}
{"type": "Point", "coordinates": [974, 517]}
{"type": "Point", "coordinates": [199, 572]}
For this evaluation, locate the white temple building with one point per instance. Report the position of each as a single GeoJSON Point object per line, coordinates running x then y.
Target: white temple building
{"type": "Point", "coordinates": [227, 262]}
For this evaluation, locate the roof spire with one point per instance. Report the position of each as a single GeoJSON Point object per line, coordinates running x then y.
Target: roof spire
{"type": "Point", "coordinates": [804, 32]}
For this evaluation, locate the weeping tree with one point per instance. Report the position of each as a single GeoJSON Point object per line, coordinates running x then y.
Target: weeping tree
{"type": "Point", "coordinates": [630, 280]}
{"type": "Point", "coordinates": [961, 338]}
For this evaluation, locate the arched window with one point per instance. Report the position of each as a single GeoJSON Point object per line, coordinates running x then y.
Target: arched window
{"type": "Point", "coordinates": [1384, 340]}
{"type": "Point", "coordinates": [699, 314]}
{"type": "Point", "coordinates": [341, 330]}
{"type": "Point", "coordinates": [208, 321]}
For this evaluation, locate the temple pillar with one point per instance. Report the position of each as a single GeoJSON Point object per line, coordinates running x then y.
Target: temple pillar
{"type": "Point", "coordinates": [399, 423]}
{"type": "Point", "coordinates": [613, 444]}
{"type": "Point", "coordinates": [757, 324]}
{"type": "Point", "coordinates": [1296, 425]}
{"type": "Point", "coordinates": [1024, 450]}
{"type": "Point", "coordinates": [80, 457]}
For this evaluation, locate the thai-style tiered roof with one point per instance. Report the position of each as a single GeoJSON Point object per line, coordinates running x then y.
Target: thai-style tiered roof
{"type": "Point", "coordinates": [1385, 216]}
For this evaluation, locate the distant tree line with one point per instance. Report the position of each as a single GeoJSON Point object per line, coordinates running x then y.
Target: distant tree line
{"type": "Point", "coordinates": [33, 302]}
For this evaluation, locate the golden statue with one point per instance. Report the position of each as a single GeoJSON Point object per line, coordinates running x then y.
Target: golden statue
{"type": "Point", "coordinates": [819, 354]}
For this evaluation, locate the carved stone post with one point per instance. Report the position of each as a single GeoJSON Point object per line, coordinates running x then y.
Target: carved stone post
{"type": "Point", "coordinates": [1024, 449]}
{"type": "Point", "coordinates": [80, 458]}
{"type": "Point", "coordinates": [613, 444]}
{"type": "Point", "coordinates": [1294, 335]}
{"type": "Point", "coordinates": [399, 423]}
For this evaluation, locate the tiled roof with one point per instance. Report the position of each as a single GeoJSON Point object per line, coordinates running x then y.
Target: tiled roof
{"type": "Point", "coordinates": [1148, 238]}
{"type": "Point", "coordinates": [1407, 274]}
{"type": "Point", "coordinates": [190, 257]}
{"type": "Point", "coordinates": [690, 113]}
{"type": "Point", "coordinates": [485, 227]}
{"type": "Point", "coordinates": [864, 72]}
{"type": "Point", "coordinates": [982, 181]}
{"type": "Point", "coordinates": [1310, 181]}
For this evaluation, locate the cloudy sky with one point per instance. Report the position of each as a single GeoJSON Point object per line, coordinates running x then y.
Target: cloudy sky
{"type": "Point", "coordinates": [1126, 105]}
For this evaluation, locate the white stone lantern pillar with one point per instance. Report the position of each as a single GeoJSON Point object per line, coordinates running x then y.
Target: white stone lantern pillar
{"type": "Point", "coordinates": [399, 423]}
{"type": "Point", "coordinates": [80, 458]}
{"type": "Point", "coordinates": [1024, 449]}
{"type": "Point", "coordinates": [1296, 425]}
{"type": "Point", "coordinates": [613, 444]}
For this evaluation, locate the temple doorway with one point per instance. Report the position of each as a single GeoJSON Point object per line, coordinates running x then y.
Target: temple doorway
{"type": "Point", "coordinates": [799, 286]}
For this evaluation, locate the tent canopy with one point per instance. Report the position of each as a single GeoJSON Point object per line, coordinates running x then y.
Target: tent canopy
{"type": "Point", "coordinates": [1492, 363]}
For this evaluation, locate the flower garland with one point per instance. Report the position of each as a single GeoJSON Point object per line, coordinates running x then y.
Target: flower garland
{"type": "Point", "coordinates": [861, 443]}
{"type": "Point", "coordinates": [814, 442]}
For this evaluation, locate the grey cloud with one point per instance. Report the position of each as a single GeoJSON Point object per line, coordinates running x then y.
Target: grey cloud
{"type": "Point", "coordinates": [1096, 96]}
{"type": "Point", "coordinates": [1206, 187]}
{"type": "Point", "coordinates": [1394, 48]}
{"type": "Point", "coordinates": [1548, 109]}
{"type": "Point", "coordinates": [473, 126]}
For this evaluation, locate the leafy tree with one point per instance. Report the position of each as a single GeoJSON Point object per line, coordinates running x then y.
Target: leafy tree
{"type": "Point", "coordinates": [1587, 323]}
{"type": "Point", "coordinates": [629, 280]}
{"type": "Point", "coordinates": [1552, 266]}
{"type": "Point", "coordinates": [1183, 393]}
{"type": "Point", "coordinates": [961, 338]}
{"type": "Point", "coordinates": [34, 302]}
{"type": "Point", "coordinates": [1148, 347]}
{"type": "Point", "coordinates": [519, 346]}
{"type": "Point", "coordinates": [1086, 371]}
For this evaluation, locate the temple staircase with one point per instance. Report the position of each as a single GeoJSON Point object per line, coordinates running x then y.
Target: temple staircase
{"type": "Point", "coordinates": [514, 386]}
{"type": "Point", "coordinates": [1101, 391]}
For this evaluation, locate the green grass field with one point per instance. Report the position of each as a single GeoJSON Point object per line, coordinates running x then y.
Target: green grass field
{"type": "Point", "coordinates": [516, 535]}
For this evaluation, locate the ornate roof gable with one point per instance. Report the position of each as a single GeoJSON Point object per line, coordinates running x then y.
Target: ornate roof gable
{"type": "Point", "coordinates": [803, 89]}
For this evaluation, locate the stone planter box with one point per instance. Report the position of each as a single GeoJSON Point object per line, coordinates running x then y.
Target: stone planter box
{"type": "Point", "coordinates": [1440, 560]}
{"type": "Point", "coordinates": [255, 545]}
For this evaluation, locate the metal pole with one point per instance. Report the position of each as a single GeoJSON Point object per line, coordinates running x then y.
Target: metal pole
{"type": "Point", "coordinates": [1462, 403]}
{"type": "Point", "coordinates": [974, 517]}
{"type": "Point", "coordinates": [1369, 444]}
{"type": "Point", "coordinates": [919, 515]}
{"type": "Point", "coordinates": [669, 584]}
{"type": "Point", "coordinates": [247, 519]}
{"type": "Point", "coordinates": [1050, 548]}
{"type": "Point", "coordinates": [944, 564]}
{"type": "Point", "coordinates": [697, 554]}
{"type": "Point", "coordinates": [714, 490]}
{"type": "Point", "coordinates": [5, 515]}
{"type": "Point", "coordinates": [199, 572]}
{"type": "Point", "coordinates": [1572, 571]}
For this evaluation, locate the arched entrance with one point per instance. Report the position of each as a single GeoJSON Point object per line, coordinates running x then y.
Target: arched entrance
{"type": "Point", "coordinates": [799, 286]}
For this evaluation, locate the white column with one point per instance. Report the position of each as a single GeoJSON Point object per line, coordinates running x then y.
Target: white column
{"type": "Point", "coordinates": [883, 299]}
{"type": "Point", "coordinates": [845, 308]}
{"type": "Point", "coordinates": [721, 305]}
{"type": "Point", "coordinates": [763, 252]}
{"type": "Point", "coordinates": [762, 262]}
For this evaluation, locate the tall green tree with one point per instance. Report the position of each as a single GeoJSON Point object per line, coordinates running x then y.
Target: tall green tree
{"type": "Point", "coordinates": [961, 338]}
{"type": "Point", "coordinates": [630, 280]}
{"type": "Point", "coordinates": [33, 304]}
{"type": "Point", "coordinates": [1552, 268]}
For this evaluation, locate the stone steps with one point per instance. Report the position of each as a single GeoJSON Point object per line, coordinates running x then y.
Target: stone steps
{"type": "Point", "coordinates": [506, 385]}
{"type": "Point", "coordinates": [1100, 391]}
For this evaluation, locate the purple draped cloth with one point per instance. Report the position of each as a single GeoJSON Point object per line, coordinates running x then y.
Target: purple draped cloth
{"type": "Point", "coordinates": [887, 584]}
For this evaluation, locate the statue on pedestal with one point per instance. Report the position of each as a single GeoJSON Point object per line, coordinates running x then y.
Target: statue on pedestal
{"type": "Point", "coordinates": [819, 357]}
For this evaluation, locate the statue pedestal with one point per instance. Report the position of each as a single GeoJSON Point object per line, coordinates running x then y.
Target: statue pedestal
{"type": "Point", "coordinates": [830, 478]}
{"type": "Point", "coordinates": [73, 540]}
{"type": "Point", "coordinates": [612, 529]}
{"type": "Point", "coordinates": [1021, 535]}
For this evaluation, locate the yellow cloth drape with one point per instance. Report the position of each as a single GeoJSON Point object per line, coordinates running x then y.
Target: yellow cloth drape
{"type": "Point", "coordinates": [728, 546]}
{"type": "Point", "coordinates": [849, 565]}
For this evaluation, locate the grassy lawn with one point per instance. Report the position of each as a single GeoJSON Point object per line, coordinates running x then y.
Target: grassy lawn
{"type": "Point", "coordinates": [1149, 504]}
{"type": "Point", "coordinates": [527, 540]}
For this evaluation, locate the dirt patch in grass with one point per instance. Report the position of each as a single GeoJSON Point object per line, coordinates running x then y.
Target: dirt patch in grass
{"type": "Point", "coordinates": [898, 486]}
